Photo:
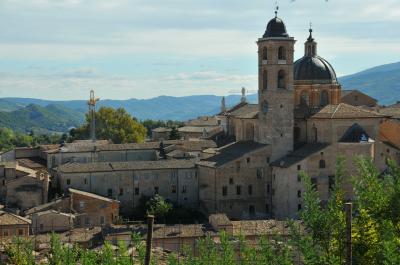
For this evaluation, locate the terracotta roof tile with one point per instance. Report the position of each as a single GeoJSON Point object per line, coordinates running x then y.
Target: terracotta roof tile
{"type": "Point", "coordinates": [345, 111]}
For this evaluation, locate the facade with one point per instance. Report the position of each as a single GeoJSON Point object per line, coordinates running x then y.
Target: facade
{"type": "Point", "coordinates": [12, 225]}
{"type": "Point", "coordinates": [236, 181]}
{"type": "Point", "coordinates": [52, 221]}
{"type": "Point", "coordinates": [82, 208]}
{"type": "Point", "coordinates": [160, 134]}
{"type": "Point", "coordinates": [93, 210]}
{"type": "Point", "coordinates": [22, 187]}
{"type": "Point", "coordinates": [175, 180]}
{"type": "Point", "coordinates": [357, 98]}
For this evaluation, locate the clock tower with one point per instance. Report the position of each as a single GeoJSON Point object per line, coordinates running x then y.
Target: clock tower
{"type": "Point", "coordinates": [275, 88]}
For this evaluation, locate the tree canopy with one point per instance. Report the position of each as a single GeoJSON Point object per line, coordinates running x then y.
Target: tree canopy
{"type": "Point", "coordinates": [112, 124]}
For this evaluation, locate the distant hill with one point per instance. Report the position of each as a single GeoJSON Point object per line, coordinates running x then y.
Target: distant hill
{"type": "Point", "coordinates": [162, 108]}
{"type": "Point", "coordinates": [381, 82]}
{"type": "Point", "coordinates": [52, 118]}
{"type": "Point", "coordinates": [23, 114]}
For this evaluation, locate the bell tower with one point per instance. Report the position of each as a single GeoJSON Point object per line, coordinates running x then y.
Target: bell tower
{"type": "Point", "coordinates": [275, 88]}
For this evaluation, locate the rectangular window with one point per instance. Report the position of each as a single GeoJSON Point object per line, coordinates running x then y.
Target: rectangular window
{"type": "Point", "coordinates": [299, 194]}
{"type": "Point", "coordinates": [81, 204]}
{"type": "Point", "coordinates": [85, 181]}
{"type": "Point", "coordinates": [298, 178]}
{"type": "Point", "coordinates": [252, 209]}
{"type": "Point", "coordinates": [136, 191]}
{"type": "Point", "coordinates": [184, 189]}
{"type": "Point", "coordinates": [20, 232]}
{"type": "Point", "coordinates": [298, 167]}
{"type": "Point", "coordinates": [87, 221]}
{"type": "Point", "coordinates": [259, 173]}
{"type": "Point", "coordinates": [250, 190]}
{"type": "Point", "coordinates": [331, 182]}
{"type": "Point", "coordinates": [4, 182]}
{"type": "Point", "coordinates": [224, 190]}
{"type": "Point", "coordinates": [237, 165]}
{"type": "Point", "coordinates": [314, 182]}
{"type": "Point", "coordinates": [238, 190]}
{"type": "Point", "coordinates": [173, 189]}
{"type": "Point", "coordinates": [121, 191]}
{"type": "Point", "coordinates": [102, 220]}
{"type": "Point", "coordinates": [268, 160]}
{"type": "Point", "coordinates": [68, 182]}
{"type": "Point", "coordinates": [299, 207]}
{"type": "Point", "coordinates": [268, 188]}
{"type": "Point", "coordinates": [231, 181]}
{"type": "Point", "coordinates": [156, 190]}
{"type": "Point", "coordinates": [5, 233]}
{"type": "Point", "coordinates": [109, 192]}
{"type": "Point", "coordinates": [248, 160]}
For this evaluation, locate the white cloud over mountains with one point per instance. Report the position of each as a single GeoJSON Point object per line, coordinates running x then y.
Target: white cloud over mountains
{"type": "Point", "coordinates": [66, 40]}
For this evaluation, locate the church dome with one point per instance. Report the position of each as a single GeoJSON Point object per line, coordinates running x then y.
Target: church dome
{"type": "Point", "coordinates": [314, 68]}
{"type": "Point", "coordinates": [275, 28]}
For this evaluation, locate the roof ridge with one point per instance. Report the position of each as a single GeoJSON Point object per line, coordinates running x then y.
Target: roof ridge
{"type": "Point", "coordinates": [337, 108]}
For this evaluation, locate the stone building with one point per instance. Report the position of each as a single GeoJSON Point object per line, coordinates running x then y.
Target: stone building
{"type": "Point", "coordinates": [51, 221]}
{"type": "Point", "coordinates": [357, 98]}
{"type": "Point", "coordinates": [22, 187]}
{"type": "Point", "coordinates": [235, 181]}
{"type": "Point", "coordinates": [12, 225]}
{"type": "Point", "coordinates": [83, 209]}
{"type": "Point", "coordinates": [160, 134]}
{"type": "Point", "coordinates": [305, 122]}
{"type": "Point", "coordinates": [127, 182]}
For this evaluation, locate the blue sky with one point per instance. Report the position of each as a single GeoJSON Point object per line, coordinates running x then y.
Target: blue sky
{"type": "Point", "coordinates": [60, 49]}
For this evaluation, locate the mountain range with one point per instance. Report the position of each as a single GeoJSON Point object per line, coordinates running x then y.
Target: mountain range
{"type": "Point", "coordinates": [25, 114]}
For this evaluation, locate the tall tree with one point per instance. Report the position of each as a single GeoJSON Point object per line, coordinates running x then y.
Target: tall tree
{"type": "Point", "coordinates": [112, 124]}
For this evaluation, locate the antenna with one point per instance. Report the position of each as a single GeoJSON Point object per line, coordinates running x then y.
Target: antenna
{"type": "Point", "coordinates": [92, 113]}
{"type": "Point", "coordinates": [276, 9]}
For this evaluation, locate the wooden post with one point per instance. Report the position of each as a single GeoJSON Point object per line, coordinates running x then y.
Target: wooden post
{"type": "Point", "coordinates": [150, 222]}
{"type": "Point", "coordinates": [349, 254]}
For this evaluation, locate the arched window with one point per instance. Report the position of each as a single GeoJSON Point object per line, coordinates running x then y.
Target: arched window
{"type": "Point", "coordinates": [265, 80]}
{"type": "Point", "coordinates": [281, 79]}
{"type": "Point", "coordinates": [322, 163]}
{"type": "Point", "coordinates": [305, 98]}
{"type": "Point", "coordinates": [265, 54]}
{"type": "Point", "coordinates": [324, 98]}
{"type": "Point", "coordinates": [314, 135]}
{"type": "Point", "coordinates": [281, 53]}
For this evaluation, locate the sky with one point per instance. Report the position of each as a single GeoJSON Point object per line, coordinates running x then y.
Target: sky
{"type": "Point", "coordinates": [61, 49]}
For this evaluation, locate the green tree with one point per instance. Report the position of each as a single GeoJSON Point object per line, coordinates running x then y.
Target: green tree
{"type": "Point", "coordinates": [112, 124]}
{"type": "Point", "coordinates": [174, 134]}
{"type": "Point", "coordinates": [376, 237]}
{"type": "Point", "coordinates": [158, 206]}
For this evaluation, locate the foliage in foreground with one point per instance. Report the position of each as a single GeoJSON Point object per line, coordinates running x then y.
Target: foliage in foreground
{"type": "Point", "coordinates": [266, 252]}
{"type": "Point", "coordinates": [376, 232]}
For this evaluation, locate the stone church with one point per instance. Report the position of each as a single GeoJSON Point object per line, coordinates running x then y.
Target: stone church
{"type": "Point", "coordinates": [302, 123]}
